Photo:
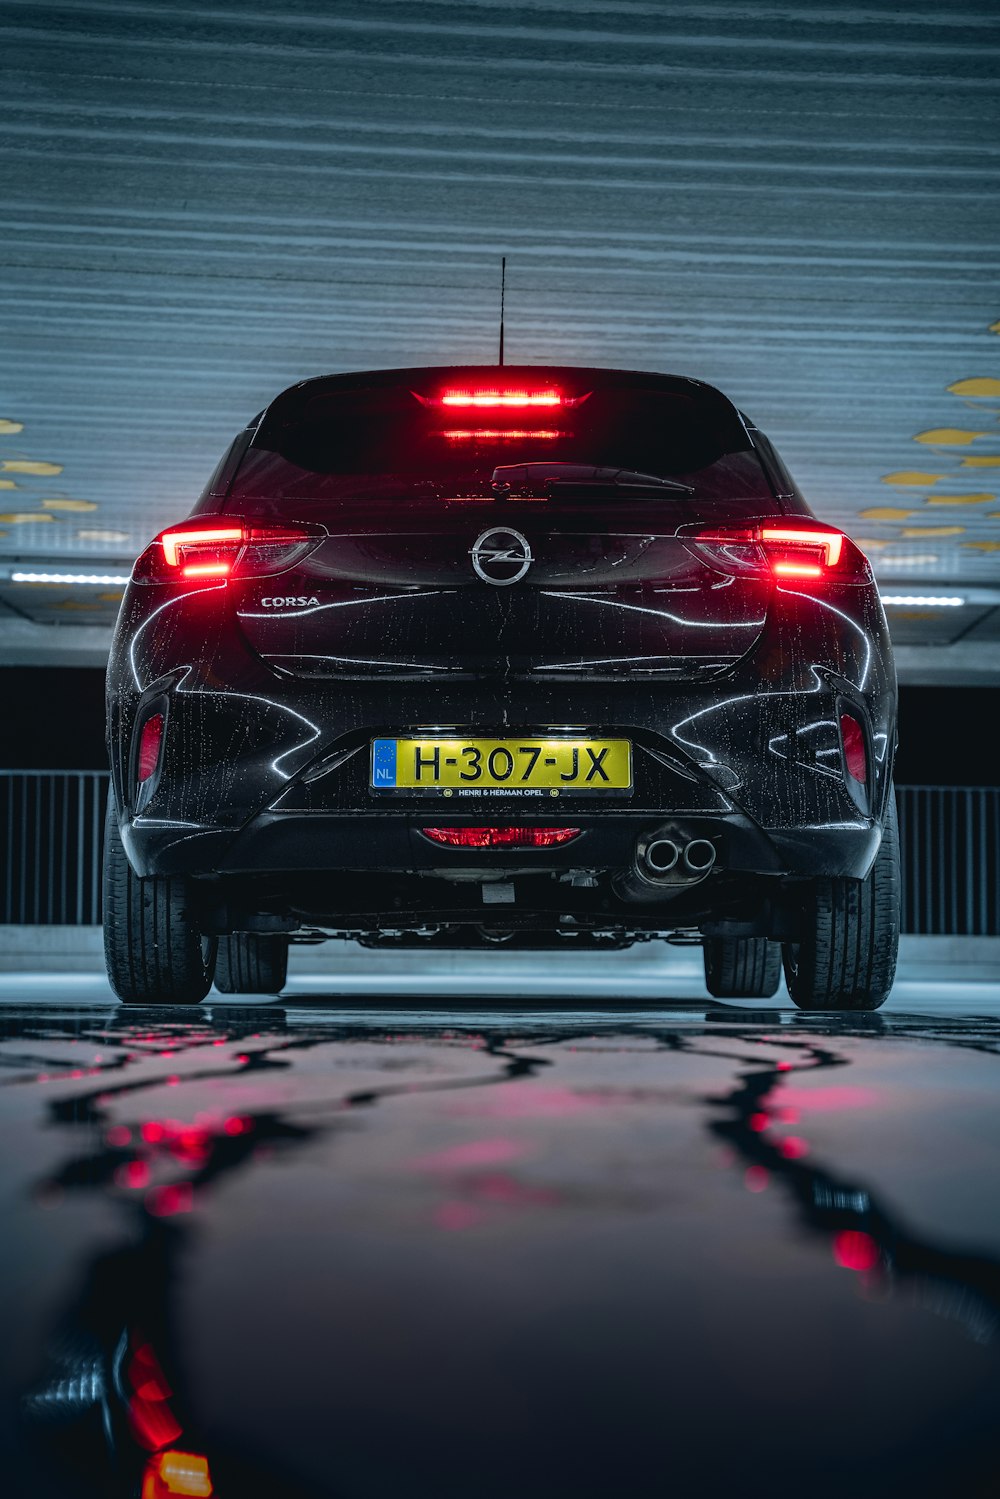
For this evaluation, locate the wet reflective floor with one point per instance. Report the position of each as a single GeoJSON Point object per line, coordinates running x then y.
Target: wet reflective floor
{"type": "Point", "coordinates": [499, 1250]}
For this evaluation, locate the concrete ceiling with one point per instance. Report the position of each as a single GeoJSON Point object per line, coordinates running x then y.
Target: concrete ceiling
{"type": "Point", "coordinates": [798, 202]}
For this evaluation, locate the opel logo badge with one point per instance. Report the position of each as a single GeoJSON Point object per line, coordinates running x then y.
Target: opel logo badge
{"type": "Point", "coordinates": [501, 556]}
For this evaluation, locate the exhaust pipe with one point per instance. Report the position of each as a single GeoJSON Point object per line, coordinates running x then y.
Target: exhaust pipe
{"type": "Point", "coordinates": [699, 856]}
{"type": "Point", "coordinates": [665, 863]}
{"type": "Point", "coordinates": [661, 856]}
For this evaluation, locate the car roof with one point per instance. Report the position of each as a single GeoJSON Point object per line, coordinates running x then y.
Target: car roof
{"type": "Point", "coordinates": [420, 375]}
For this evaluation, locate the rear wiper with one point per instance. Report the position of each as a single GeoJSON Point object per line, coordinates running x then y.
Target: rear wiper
{"type": "Point", "coordinates": [522, 477]}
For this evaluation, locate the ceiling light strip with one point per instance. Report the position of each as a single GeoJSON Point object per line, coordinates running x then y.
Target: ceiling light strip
{"type": "Point", "coordinates": [88, 578]}
{"type": "Point", "coordinates": [923, 600]}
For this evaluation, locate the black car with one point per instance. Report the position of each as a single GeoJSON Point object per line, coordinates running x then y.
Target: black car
{"type": "Point", "coordinates": [514, 657]}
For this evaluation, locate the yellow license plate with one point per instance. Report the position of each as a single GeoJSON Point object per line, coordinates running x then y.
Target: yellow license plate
{"type": "Point", "coordinates": [527, 766]}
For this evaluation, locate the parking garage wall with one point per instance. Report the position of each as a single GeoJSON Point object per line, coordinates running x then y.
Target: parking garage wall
{"type": "Point", "coordinates": [53, 821]}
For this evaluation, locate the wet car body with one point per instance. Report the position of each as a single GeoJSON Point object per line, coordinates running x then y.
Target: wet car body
{"type": "Point", "coordinates": [643, 614]}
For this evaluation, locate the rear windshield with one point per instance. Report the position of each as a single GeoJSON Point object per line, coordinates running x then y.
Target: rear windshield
{"type": "Point", "coordinates": [392, 443]}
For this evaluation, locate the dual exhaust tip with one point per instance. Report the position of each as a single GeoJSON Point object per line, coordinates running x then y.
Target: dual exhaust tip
{"type": "Point", "coordinates": [662, 855]}
{"type": "Point", "coordinates": [666, 862]}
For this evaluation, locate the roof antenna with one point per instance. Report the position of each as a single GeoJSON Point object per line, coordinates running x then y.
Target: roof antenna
{"type": "Point", "coordinates": [503, 285]}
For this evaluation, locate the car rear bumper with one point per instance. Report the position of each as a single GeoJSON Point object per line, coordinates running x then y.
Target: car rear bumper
{"type": "Point", "coordinates": [326, 843]}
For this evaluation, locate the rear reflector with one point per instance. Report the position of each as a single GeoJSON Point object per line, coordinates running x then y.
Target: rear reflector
{"type": "Point", "coordinates": [150, 741]}
{"type": "Point", "coordinates": [500, 837]}
{"type": "Point", "coordinates": [853, 738]}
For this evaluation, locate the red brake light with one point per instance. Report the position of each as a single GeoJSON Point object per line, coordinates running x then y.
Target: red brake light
{"type": "Point", "coordinates": [150, 741]}
{"type": "Point", "coordinates": [176, 544]}
{"type": "Point", "coordinates": [216, 551]}
{"type": "Point", "coordinates": [505, 434]}
{"type": "Point", "coordinates": [501, 837]}
{"type": "Point", "coordinates": [798, 553]}
{"type": "Point", "coordinates": [852, 736]}
{"type": "Point", "coordinates": [506, 398]}
{"type": "Point", "coordinates": [787, 551]}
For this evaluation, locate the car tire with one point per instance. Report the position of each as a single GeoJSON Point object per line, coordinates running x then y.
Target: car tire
{"type": "Point", "coordinates": [154, 952]}
{"type": "Point", "coordinates": [742, 967]}
{"type": "Point", "coordinates": [846, 959]}
{"type": "Point", "coordinates": [250, 964]}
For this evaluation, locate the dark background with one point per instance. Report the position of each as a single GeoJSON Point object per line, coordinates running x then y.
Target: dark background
{"type": "Point", "coordinates": [53, 719]}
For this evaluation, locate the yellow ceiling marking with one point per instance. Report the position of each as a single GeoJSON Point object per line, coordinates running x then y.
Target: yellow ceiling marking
{"type": "Point", "coordinates": [7, 484]}
{"type": "Point", "coordinates": [981, 385]}
{"type": "Point", "coordinates": [23, 517]}
{"type": "Point", "coordinates": [75, 604]}
{"type": "Point", "coordinates": [911, 476]}
{"type": "Point", "coordinates": [995, 327]}
{"type": "Point", "coordinates": [993, 461]}
{"type": "Point", "coordinates": [61, 504]}
{"type": "Point", "coordinates": [932, 531]}
{"type": "Point", "coordinates": [7, 426]}
{"type": "Point", "coordinates": [110, 598]}
{"type": "Point", "coordinates": [31, 466]}
{"type": "Point", "coordinates": [869, 543]}
{"type": "Point", "coordinates": [916, 614]}
{"type": "Point", "coordinates": [982, 546]}
{"type": "Point", "coordinates": [960, 499]}
{"type": "Point", "coordinates": [952, 437]}
{"type": "Point", "coordinates": [90, 535]}
{"type": "Point", "coordinates": [886, 512]}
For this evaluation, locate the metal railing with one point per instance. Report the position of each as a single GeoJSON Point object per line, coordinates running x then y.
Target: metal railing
{"type": "Point", "coordinates": [52, 826]}
{"type": "Point", "coordinates": [52, 840]}
{"type": "Point", "coordinates": [950, 841]}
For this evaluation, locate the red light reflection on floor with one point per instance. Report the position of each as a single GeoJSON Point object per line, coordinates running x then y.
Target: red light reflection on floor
{"type": "Point", "coordinates": [153, 1421]}
{"type": "Point", "coordinates": [756, 1178]}
{"type": "Point", "coordinates": [473, 1153]}
{"type": "Point", "coordinates": [487, 1195]}
{"type": "Point", "coordinates": [829, 1100]}
{"type": "Point", "coordinates": [528, 1101]}
{"type": "Point", "coordinates": [453, 1216]}
{"type": "Point", "coordinates": [854, 1250]}
{"type": "Point", "coordinates": [176, 1197]}
{"type": "Point", "coordinates": [132, 1174]}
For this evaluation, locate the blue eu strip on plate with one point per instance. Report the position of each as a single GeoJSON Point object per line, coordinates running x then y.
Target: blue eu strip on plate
{"type": "Point", "coordinates": [384, 762]}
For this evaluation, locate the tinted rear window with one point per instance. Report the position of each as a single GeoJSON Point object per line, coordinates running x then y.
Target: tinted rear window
{"type": "Point", "coordinates": [388, 443]}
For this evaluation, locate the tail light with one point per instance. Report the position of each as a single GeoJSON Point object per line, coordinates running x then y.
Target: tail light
{"type": "Point", "coordinates": [853, 739]}
{"type": "Point", "coordinates": [798, 552]}
{"type": "Point", "coordinates": [501, 837]}
{"type": "Point", "coordinates": [150, 743]}
{"type": "Point", "coordinates": [235, 549]}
